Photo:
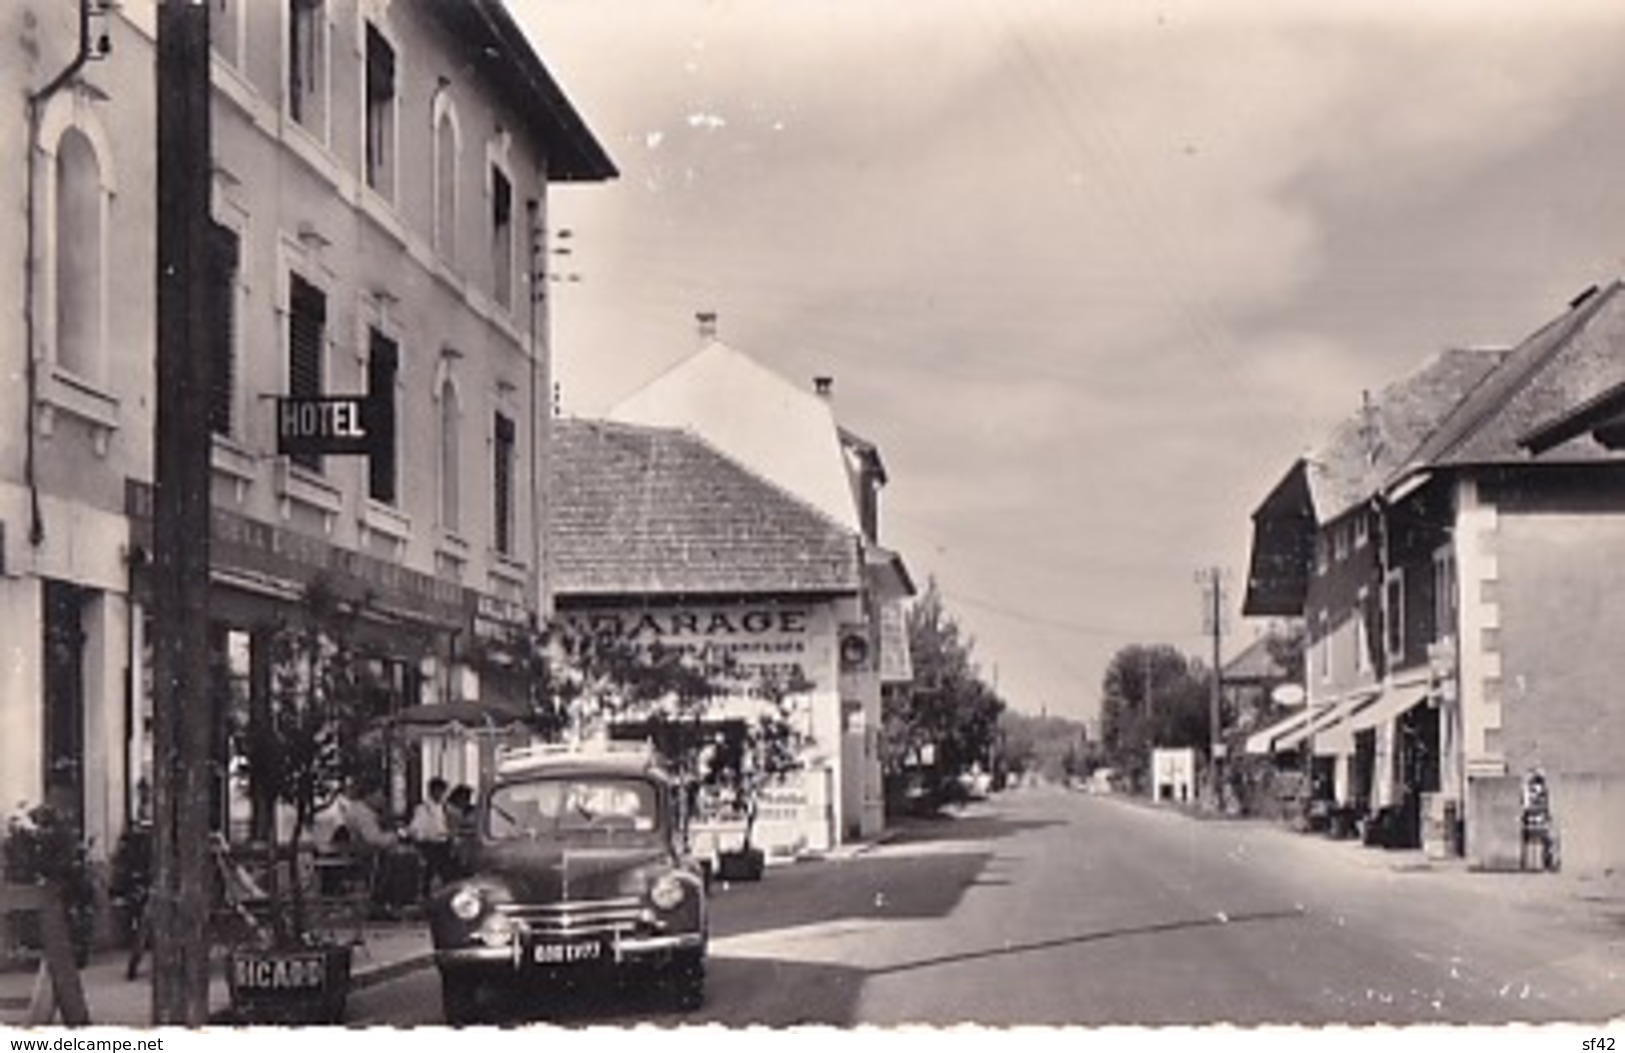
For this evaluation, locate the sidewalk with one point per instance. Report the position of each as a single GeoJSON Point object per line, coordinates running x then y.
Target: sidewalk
{"type": "Point", "coordinates": [1597, 898]}
{"type": "Point", "coordinates": [388, 950]}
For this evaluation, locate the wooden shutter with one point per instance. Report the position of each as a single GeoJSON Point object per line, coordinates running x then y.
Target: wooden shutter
{"type": "Point", "coordinates": [503, 485]}
{"type": "Point", "coordinates": [222, 278]}
{"type": "Point", "coordinates": [307, 325]}
{"type": "Point", "coordinates": [383, 363]}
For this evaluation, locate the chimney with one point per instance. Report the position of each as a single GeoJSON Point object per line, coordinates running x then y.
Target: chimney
{"type": "Point", "coordinates": [708, 325]}
{"type": "Point", "coordinates": [825, 386]}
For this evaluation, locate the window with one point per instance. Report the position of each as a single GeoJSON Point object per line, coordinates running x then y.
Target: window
{"type": "Point", "coordinates": [1323, 648]}
{"type": "Point", "coordinates": [1340, 542]}
{"type": "Point", "coordinates": [79, 256]}
{"type": "Point", "coordinates": [1362, 632]}
{"type": "Point", "coordinates": [502, 525]}
{"type": "Point", "coordinates": [222, 281]}
{"type": "Point", "coordinates": [501, 237]}
{"type": "Point", "coordinates": [307, 64]}
{"type": "Point", "coordinates": [383, 363]}
{"type": "Point", "coordinates": [447, 147]}
{"type": "Point", "coordinates": [225, 27]}
{"type": "Point", "coordinates": [1394, 614]}
{"type": "Point", "coordinates": [450, 459]}
{"type": "Point", "coordinates": [307, 332]}
{"type": "Point", "coordinates": [1362, 531]}
{"type": "Point", "coordinates": [380, 116]}
{"type": "Point", "coordinates": [1444, 593]}
{"type": "Point", "coordinates": [1322, 553]}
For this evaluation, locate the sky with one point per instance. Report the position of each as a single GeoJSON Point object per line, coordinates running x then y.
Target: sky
{"type": "Point", "coordinates": [1091, 275]}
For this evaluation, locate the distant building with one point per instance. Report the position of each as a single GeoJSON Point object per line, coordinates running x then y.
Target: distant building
{"type": "Point", "coordinates": [788, 435]}
{"type": "Point", "coordinates": [1173, 775]}
{"type": "Point", "coordinates": [663, 540]}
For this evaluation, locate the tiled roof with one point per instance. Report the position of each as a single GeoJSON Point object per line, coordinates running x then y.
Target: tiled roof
{"type": "Point", "coordinates": [1365, 450]}
{"type": "Point", "coordinates": [1563, 365]}
{"type": "Point", "coordinates": [639, 510]}
{"type": "Point", "coordinates": [1255, 664]}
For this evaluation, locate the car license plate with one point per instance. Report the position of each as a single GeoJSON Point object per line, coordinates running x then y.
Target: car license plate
{"type": "Point", "coordinates": [565, 953]}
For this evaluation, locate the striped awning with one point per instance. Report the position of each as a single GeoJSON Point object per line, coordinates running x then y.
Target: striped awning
{"type": "Point", "coordinates": [1263, 741]}
{"type": "Point", "coordinates": [1329, 717]}
{"type": "Point", "coordinates": [1390, 705]}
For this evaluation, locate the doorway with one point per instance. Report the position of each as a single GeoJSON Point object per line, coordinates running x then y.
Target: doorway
{"type": "Point", "coordinates": [64, 689]}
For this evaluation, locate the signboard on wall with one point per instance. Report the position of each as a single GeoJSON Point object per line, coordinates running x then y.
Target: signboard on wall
{"type": "Point", "coordinates": [332, 424]}
{"type": "Point", "coordinates": [781, 639]}
{"type": "Point", "coordinates": [896, 664]}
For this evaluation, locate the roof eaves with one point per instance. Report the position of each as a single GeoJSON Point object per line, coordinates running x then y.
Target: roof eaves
{"type": "Point", "coordinates": [576, 155]}
{"type": "Point", "coordinates": [1590, 415]}
{"type": "Point", "coordinates": [1498, 389]}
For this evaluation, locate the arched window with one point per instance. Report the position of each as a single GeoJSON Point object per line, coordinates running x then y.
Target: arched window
{"type": "Point", "coordinates": [79, 255]}
{"type": "Point", "coordinates": [500, 206]}
{"type": "Point", "coordinates": [450, 458]}
{"type": "Point", "coordinates": [447, 148]}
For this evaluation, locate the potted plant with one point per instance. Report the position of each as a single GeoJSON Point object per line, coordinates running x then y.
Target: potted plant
{"type": "Point", "coordinates": [47, 890]}
{"type": "Point", "coordinates": [771, 748]}
{"type": "Point", "coordinates": [43, 848]}
{"type": "Point", "coordinates": [301, 749]}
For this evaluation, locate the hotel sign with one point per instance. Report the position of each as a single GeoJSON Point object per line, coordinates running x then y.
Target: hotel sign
{"type": "Point", "coordinates": [332, 424]}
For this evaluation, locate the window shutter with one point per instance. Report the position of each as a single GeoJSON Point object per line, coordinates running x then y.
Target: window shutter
{"type": "Point", "coordinates": [380, 67]}
{"type": "Point", "coordinates": [383, 363]}
{"type": "Point", "coordinates": [503, 485]}
{"type": "Point", "coordinates": [501, 200]}
{"type": "Point", "coordinates": [222, 277]}
{"type": "Point", "coordinates": [307, 322]}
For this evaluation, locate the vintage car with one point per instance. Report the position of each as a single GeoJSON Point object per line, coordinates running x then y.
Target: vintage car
{"type": "Point", "coordinates": [579, 874]}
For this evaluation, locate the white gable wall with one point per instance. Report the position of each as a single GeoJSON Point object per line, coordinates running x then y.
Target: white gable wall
{"type": "Point", "coordinates": [781, 432]}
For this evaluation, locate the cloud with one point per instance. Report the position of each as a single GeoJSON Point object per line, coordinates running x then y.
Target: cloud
{"type": "Point", "coordinates": [1091, 274]}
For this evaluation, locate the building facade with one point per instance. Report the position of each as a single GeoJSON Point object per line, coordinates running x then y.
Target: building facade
{"type": "Point", "coordinates": [1489, 586]}
{"type": "Point", "coordinates": [788, 434]}
{"type": "Point", "coordinates": [380, 174]}
{"type": "Point", "coordinates": [663, 541]}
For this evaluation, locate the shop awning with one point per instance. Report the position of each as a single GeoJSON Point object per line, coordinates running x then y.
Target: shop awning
{"type": "Point", "coordinates": [1263, 741]}
{"type": "Point", "coordinates": [1390, 705]}
{"type": "Point", "coordinates": [468, 714]}
{"type": "Point", "coordinates": [1327, 717]}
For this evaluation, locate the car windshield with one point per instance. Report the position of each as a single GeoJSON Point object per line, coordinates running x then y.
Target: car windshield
{"type": "Point", "coordinates": [576, 807]}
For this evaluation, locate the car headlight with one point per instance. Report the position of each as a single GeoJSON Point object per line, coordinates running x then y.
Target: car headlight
{"type": "Point", "coordinates": [467, 903]}
{"type": "Point", "coordinates": [668, 892]}
{"type": "Point", "coordinates": [497, 930]}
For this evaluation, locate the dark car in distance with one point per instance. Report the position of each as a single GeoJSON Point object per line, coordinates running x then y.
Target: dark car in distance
{"type": "Point", "coordinates": [578, 875]}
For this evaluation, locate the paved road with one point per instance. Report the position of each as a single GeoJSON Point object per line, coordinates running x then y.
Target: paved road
{"type": "Point", "coordinates": [1047, 907]}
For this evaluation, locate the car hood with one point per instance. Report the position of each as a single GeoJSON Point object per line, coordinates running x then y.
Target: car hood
{"type": "Point", "coordinates": [551, 872]}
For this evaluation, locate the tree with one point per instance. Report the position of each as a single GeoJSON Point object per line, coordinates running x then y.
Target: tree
{"type": "Point", "coordinates": [1052, 747]}
{"type": "Point", "coordinates": [948, 707]}
{"type": "Point", "coordinates": [1152, 695]}
{"type": "Point", "coordinates": [310, 740]}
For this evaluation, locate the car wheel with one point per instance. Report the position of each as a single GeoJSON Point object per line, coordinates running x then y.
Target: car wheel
{"type": "Point", "coordinates": [687, 980]}
{"type": "Point", "coordinates": [459, 998]}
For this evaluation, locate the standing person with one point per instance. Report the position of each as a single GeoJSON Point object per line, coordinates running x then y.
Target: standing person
{"type": "Point", "coordinates": [430, 830]}
{"type": "Point", "coordinates": [460, 817]}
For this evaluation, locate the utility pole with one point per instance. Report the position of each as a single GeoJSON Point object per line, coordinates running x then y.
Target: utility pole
{"type": "Point", "coordinates": [183, 721]}
{"type": "Point", "coordinates": [1212, 581]}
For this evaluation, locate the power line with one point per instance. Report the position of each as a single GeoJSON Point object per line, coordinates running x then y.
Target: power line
{"type": "Point", "coordinates": [1059, 623]}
